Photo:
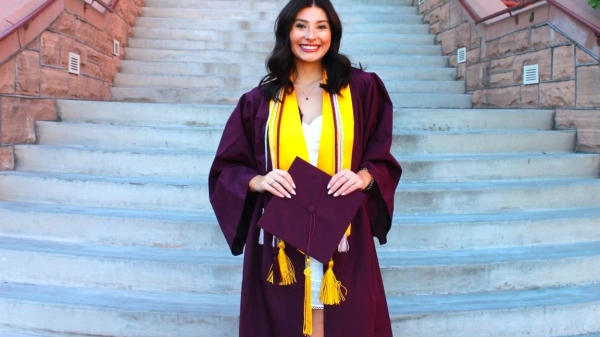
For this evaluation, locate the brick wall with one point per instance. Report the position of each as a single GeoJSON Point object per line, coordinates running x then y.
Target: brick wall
{"type": "Point", "coordinates": [34, 77]}
{"type": "Point", "coordinates": [569, 75]}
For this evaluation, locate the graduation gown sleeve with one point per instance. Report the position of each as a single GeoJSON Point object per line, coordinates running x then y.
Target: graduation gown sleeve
{"type": "Point", "coordinates": [376, 113]}
{"type": "Point", "coordinates": [233, 168]}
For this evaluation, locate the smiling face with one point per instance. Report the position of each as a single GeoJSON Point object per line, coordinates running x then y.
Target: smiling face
{"type": "Point", "coordinates": [310, 36]}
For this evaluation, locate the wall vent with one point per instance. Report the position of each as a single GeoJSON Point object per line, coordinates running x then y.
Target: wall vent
{"type": "Point", "coordinates": [116, 47]}
{"type": "Point", "coordinates": [74, 63]}
{"type": "Point", "coordinates": [421, 2]}
{"type": "Point", "coordinates": [531, 74]}
{"type": "Point", "coordinates": [461, 55]}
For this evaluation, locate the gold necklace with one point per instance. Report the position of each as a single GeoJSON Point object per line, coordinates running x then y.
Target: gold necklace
{"type": "Point", "coordinates": [311, 91]}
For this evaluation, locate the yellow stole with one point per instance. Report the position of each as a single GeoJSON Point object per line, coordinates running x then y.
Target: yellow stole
{"type": "Point", "coordinates": [286, 141]}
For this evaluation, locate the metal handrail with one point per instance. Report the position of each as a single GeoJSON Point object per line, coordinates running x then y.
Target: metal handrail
{"type": "Point", "coordinates": [26, 19]}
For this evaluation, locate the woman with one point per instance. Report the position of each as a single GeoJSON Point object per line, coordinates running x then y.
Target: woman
{"type": "Point", "coordinates": [313, 92]}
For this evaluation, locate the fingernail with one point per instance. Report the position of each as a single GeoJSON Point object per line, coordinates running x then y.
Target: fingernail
{"type": "Point", "coordinates": [294, 192]}
{"type": "Point", "coordinates": [329, 192]}
{"type": "Point", "coordinates": [335, 195]}
{"type": "Point", "coordinates": [289, 196]}
{"type": "Point", "coordinates": [281, 195]}
{"type": "Point", "coordinates": [328, 186]}
{"type": "Point", "coordinates": [344, 193]}
{"type": "Point", "coordinates": [293, 185]}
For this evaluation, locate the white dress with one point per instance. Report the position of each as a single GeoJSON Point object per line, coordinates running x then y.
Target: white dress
{"type": "Point", "coordinates": [312, 136]}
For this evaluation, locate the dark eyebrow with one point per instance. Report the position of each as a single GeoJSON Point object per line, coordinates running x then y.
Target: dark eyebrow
{"type": "Point", "coordinates": [306, 21]}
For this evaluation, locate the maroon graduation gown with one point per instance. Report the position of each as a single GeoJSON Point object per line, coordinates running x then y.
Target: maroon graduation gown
{"type": "Point", "coordinates": [271, 310]}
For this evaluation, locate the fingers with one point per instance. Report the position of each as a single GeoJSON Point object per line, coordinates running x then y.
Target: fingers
{"type": "Point", "coordinates": [279, 183]}
{"type": "Point", "coordinates": [344, 183]}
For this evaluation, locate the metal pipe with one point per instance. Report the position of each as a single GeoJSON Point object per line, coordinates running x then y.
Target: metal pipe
{"type": "Point", "coordinates": [26, 19]}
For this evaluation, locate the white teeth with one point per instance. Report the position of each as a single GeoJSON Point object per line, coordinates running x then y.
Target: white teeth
{"type": "Point", "coordinates": [309, 47]}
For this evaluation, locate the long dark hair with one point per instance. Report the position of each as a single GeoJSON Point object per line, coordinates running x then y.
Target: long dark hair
{"type": "Point", "coordinates": [280, 64]}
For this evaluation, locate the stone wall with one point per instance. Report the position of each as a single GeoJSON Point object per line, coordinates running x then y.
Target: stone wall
{"type": "Point", "coordinates": [34, 77]}
{"type": "Point", "coordinates": [493, 72]}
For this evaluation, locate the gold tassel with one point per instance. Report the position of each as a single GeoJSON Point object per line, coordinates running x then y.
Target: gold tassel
{"type": "Point", "coordinates": [307, 328]}
{"type": "Point", "coordinates": [270, 276]}
{"type": "Point", "coordinates": [331, 288]}
{"type": "Point", "coordinates": [288, 274]}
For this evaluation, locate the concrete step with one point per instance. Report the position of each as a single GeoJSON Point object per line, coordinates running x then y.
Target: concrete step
{"type": "Point", "coordinates": [399, 26]}
{"type": "Point", "coordinates": [496, 196]}
{"type": "Point", "coordinates": [403, 272]}
{"type": "Point", "coordinates": [146, 81]}
{"type": "Point", "coordinates": [143, 114]}
{"type": "Point", "coordinates": [208, 138]}
{"type": "Point", "coordinates": [114, 267]}
{"type": "Point", "coordinates": [190, 230]}
{"type": "Point", "coordinates": [138, 54]}
{"type": "Point", "coordinates": [191, 68]}
{"type": "Point", "coordinates": [135, 137]}
{"type": "Point", "coordinates": [539, 312]}
{"type": "Point", "coordinates": [166, 163]}
{"type": "Point", "coordinates": [199, 230]}
{"type": "Point", "coordinates": [225, 36]}
{"type": "Point", "coordinates": [401, 42]}
{"type": "Point", "coordinates": [359, 14]}
{"type": "Point", "coordinates": [482, 142]}
{"type": "Point", "coordinates": [101, 312]}
{"type": "Point", "coordinates": [227, 96]}
{"type": "Point", "coordinates": [574, 310]}
{"type": "Point", "coordinates": [187, 44]}
{"type": "Point", "coordinates": [258, 69]}
{"type": "Point", "coordinates": [369, 61]}
{"type": "Point", "coordinates": [193, 164]}
{"type": "Point", "coordinates": [105, 192]}
{"type": "Point", "coordinates": [235, 6]}
{"type": "Point", "coordinates": [425, 87]}
{"type": "Point", "coordinates": [462, 168]}
{"type": "Point", "coordinates": [267, 5]}
{"type": "Point", "coordinates": [494, 230]}
{"type": "Point", "coordinates": [472, 119]}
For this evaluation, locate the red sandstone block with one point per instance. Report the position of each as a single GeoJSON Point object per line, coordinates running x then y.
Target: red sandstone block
{"type": "Point", "coordinates": [28, 73]}
{"type": "Point", "coordinates": [7, 158]}
{"type": "Point", "coordinates": [65, 24]}
{"type": "Point", "coordinates": [584, 58]}
{"type": "Point", "coordinates": [563, 63]}
{"type": "Point", "coordinates": [19, 115]}
{"type": "Point", "coordinates": [55, 82]}
{"type": "Point", "coordinates": [557, 94]}
{"type": "Point", "coordinates": [7, 77]}
{"type": "Point", "coordinates": [50, 47]}
{"type": "Point", "coordinates": [69, 45]}
{"type": "Point", "coordinates": [588, 82]}
{"type": "Point", "coordinates": [545, 36]}
{"type": "Point", "coordinates": [530, 96]}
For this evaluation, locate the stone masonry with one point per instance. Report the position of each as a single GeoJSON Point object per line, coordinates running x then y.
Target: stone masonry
{"type": "Point", "coordinates": [569, 76]}
{"type": "Point", "coordinates": [33, 78]}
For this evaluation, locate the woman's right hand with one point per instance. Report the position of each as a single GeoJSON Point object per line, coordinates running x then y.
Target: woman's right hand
{"type": "Point", "coordinates": [277, 182]}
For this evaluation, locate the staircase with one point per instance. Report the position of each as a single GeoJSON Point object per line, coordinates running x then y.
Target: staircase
{"type": "Point", "coordinates": [106, 228]}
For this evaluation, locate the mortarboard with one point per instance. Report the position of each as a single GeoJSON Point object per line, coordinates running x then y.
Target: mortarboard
{"type": "Point", "coordinates": [312, 220]}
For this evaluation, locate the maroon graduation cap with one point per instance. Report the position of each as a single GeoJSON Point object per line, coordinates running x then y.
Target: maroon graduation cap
{"type": "Point", "coordinates": [312, 220]}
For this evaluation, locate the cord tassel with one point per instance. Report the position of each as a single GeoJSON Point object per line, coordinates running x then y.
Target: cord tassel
{"type": "Point", "coordinates": [307, 328]}
{"type": "Point", "coordinates": [288, 274]}
{"type": "Point", "coordinates": [331, 288]}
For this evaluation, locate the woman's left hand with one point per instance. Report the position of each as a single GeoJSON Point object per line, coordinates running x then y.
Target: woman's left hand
{"type": "Point", "coordinates": [345, 182]}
